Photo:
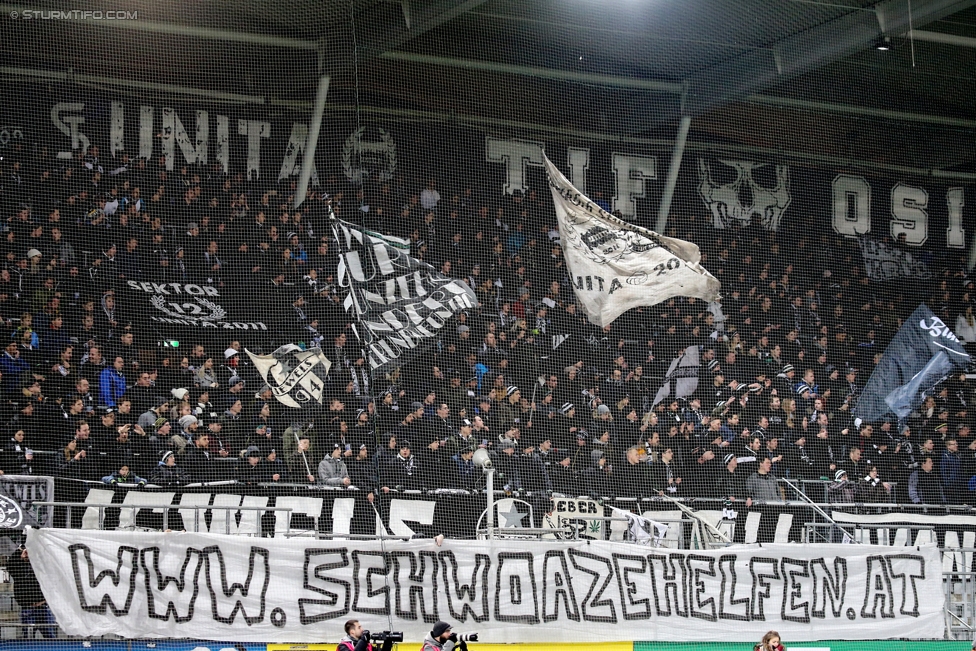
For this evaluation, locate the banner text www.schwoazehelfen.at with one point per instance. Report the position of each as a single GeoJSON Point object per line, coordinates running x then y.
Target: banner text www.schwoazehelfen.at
{"type": "Point", "coordinates": [209, 586]}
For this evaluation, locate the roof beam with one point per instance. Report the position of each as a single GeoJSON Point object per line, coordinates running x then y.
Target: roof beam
{"type": "Point", "coordinates": [374, 35]}
{"type": "Point", "coordinates": [942, 38]}
{"type": "Point", "coordinates": [795, 55]}
{"type": "Point", "coordinates": [381, 28]}
{"type": "Point", "coordinates": [650, 85]}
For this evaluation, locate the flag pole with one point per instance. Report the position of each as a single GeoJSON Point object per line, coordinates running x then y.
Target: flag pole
{"type": "Point", "coordinates": [374, 417]}
{"type": "Point", "coordinates": [298, 442]}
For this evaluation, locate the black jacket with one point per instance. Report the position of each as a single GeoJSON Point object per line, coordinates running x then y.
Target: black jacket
{"type": "Point", "coordinates": [633, 480]}
{"type": "Point", "coordinates": [27, 590]}
{"type": "Point", "coordinates": [168, 475]}
{"type": "Point", "coordinates": [198, 464]}
{"type": "Point", "coordinates": [395, 471]}
{"type": "Point", "coordinates": [564, 480]}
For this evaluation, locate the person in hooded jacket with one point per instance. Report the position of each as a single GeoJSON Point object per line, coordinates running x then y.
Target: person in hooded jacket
{"type": "Point", "coordinates": [109, 320]}
{"type": "Point", "coordinates": [362, 471]}
{"type": "Point", "coordinates": [507, 465]}
{"type": "Point", "coordinates": [842, 489]}
{"type": "Point", "coordinates": [332, 469]}
{"type": "Point", "coordinates": [123, 476]}
{"type": "Point", "coordinates": [356, 639]}
{"type": "Point", "coordinates": [565, 480]}
{"type": "Point", "coordinates": [298, 461]}
{"type": "Point", "coordinates": [462, 473]}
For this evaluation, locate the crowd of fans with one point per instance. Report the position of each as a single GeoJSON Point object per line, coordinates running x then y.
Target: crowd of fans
{"type": "Point", "coordinates": [563, 406]}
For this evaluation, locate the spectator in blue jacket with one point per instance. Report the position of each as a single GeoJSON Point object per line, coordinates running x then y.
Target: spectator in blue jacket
{"type": "Point", "coordinates": [14, 369]}
{"type": "Point", "coordinates": [111, 383]}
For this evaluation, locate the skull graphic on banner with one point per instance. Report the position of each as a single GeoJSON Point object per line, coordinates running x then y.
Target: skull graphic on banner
{"type": "Point", "coordinates": [736, 190]}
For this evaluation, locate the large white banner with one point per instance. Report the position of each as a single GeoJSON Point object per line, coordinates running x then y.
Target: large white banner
{"type": "Point", "coordinates": [615, 265]}
{"type": "Point", "coordinates": [151, 585]}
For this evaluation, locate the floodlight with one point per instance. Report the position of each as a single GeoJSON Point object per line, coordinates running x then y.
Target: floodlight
{"type": "Point", "coordinates": [482, 459]}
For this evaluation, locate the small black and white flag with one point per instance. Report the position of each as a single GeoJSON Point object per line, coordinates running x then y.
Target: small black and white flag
{"type": "Point", "coordinates": [682, 378]}
{"type": "Point", "coordinates": [614, 265]}
{"type": "Point", "coordinates": [643, 531]}
{"type": "Point", "coordinates": [296, 377]}
{"type": "Point", "coordinates": [400, 303]}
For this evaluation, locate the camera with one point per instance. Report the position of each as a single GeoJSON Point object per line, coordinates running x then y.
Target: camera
{"type": "Point", "coordinates": [392, 636]}
{"type": "Point", "coordinates": [466, 637]}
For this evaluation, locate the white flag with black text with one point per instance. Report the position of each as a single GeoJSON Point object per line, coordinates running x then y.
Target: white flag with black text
{"type": "Point", "coordinates": [400, 303]}
{"type": "Point", "coordinates": [614, 265]}
{"type": "Point", "coordinates": [297, 377]}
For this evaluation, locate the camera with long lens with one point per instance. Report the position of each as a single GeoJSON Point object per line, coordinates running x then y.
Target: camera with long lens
{"type": "Point", "coordinates": [465, 637]}
{"type": "Point", "coordinates": [392, 636]}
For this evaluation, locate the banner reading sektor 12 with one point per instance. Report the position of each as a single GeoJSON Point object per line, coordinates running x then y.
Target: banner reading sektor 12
{"type": "Point", "coordinates": [214, 587]}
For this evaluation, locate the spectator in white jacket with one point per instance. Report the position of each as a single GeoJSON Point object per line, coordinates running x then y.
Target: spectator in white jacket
{"type": "Point", "coordinates": [966, 328]}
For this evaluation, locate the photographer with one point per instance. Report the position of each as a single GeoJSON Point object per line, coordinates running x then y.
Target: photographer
{"type": "Point", "coordinates": [442, 639]}
{"type": "Point", "coordinates": [356, 638]}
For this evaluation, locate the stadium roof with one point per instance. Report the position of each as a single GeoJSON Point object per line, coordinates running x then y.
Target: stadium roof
{"type": "Point", "coordinates": [751, 73]}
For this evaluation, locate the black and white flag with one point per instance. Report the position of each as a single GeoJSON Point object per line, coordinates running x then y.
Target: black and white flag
{"type": "Point", "coordinates": [615, 265]}
{"type": "Point", "coordinates": [682, 378]}
{"type": "Point", "coordinates": [400, 303]}
{"type": "Point", "coordinates": [643, 531]}
{"type": "Point", "coordinates": [17, 496]}
{"type": "Point", "coordinates": [296, 377]}
{"type": "Point", "coordinates": [923, 352]}
{"type": "Point", "coordinates": [882, 261]}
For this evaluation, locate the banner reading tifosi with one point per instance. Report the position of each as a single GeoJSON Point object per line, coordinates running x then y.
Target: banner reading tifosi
{"type": "Point", "coordinates": [212, 587]}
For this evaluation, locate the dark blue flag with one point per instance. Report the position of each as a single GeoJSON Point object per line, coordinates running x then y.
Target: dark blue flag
{"type": "Point", "coordinates": [920, 356]}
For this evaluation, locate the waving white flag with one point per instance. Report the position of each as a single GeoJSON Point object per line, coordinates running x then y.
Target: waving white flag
{"type": "Point", "coordinates": [615, 266]}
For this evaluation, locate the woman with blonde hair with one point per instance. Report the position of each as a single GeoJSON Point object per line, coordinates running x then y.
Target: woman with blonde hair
{"type": "Point", "coordinates": [789, 411]}
{"type": "Point", "coordinates": [70, 460]}
{"type": "Point", "coordinates": [206, 376]}
{"type": "Point", "coordinates": [734, 344]}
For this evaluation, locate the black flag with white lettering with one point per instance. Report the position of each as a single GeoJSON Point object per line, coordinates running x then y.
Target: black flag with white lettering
{"type": "Point", "coordinates": [400, 303]}
{"type": "Point", "coordinates": [922, 354]}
